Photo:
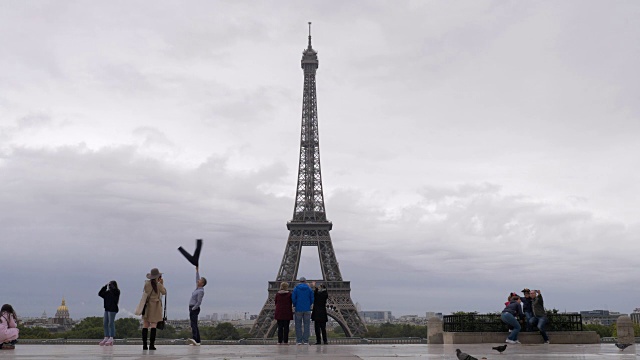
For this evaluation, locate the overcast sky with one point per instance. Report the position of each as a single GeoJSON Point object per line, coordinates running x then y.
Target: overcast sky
{"type": "Point", "coordinates": [469, 149]}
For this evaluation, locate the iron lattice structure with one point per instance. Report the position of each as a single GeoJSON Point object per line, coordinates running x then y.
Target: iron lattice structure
{"type": "Point", "coordinates": [309, 226]}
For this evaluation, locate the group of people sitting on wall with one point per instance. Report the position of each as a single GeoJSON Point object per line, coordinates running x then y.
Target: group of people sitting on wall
{"type": "Point", "coordinates": [303, 304]}
{"type": "Point", "coordinates": [528, 309]}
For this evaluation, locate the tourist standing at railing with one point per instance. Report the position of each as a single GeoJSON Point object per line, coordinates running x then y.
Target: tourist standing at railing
{"type": "Point", "coordinates": [539, 318]}
{"type": "Point", "coordinates": [111, 296]}
{"type": "Point", "coordinates": [302, 299]}
{"type": "Point", "coordinates": [510, 316]}
{"type": "Point", "coordinates": [284, 312]}
{"type": "Point", "coordinates": [150, 307]}
{"type": "Point", "coordinates": [319, 313]}
{"type": "Point", "coordinates": [8, 327]}
{"type": "Point", "coordinates": [527, 308]}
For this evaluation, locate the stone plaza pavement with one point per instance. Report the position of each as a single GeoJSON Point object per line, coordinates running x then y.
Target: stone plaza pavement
{"type": "Point", "coordinates": [179, 352]}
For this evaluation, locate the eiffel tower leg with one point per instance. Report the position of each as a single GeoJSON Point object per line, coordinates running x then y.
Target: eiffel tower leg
{"type": "Point", "coordinates": [328, 262]}
{"type": "Point", "coordinates": [264, 327]}
{"type": "Point", "coordinates": [291, 259]}
{"type": "Point", "coordinates": [341, 308]}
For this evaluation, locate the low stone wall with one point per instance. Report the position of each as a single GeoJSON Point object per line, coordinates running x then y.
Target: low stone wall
{"type": "Point", "coordinates": [559, 337]}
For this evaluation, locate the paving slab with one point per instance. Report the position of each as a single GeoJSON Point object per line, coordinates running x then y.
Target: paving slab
{"type": "Point", "coordinates": [309, 352]}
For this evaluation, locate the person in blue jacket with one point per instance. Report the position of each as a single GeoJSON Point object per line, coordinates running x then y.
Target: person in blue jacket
{"type": "Point", "coordinates": [302, 299]}
{"type": "Point", "coordinates": [510, 316]}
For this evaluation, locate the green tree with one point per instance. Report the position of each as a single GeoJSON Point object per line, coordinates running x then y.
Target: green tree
{"type": "Point", "coordinates": [169, 332]}
{"type": "Point", "coordinates": [388, 330]}
{"type": "Point", "coordinates": [226, 331]}
{"type": "Point", "coordinates": [88, 328]}
{"type": "Point", "coordinates": [243, 333]}
{"type": "Point", "coordinates": [34, 332]}
{"type": "Point", "coordinates": [337, 332]}
{"type": "Point", "coordinates": [128, 328]}
{"type": "Point", "coordinates": [602, 330]}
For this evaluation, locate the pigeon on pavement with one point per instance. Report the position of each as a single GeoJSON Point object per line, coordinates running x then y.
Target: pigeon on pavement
{"type": "Point", "coordinates": [500, 349]}
{"type": "Point", "coordinates": [464, 356]}
{"type": "Point", "coordinates": [622, 346]}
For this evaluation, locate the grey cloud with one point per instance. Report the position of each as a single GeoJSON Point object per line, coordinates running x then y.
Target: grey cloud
{"type": "Point", "coordinates": [246, 107]}
{"type": "Point", "coordinates": [28, 123]}
{"type": "Point", "coordinates": [34, 121]}
{"type": "Point", "coordinates": [111, 211]}
{"type": "Point", "coordinates": [153, 137]}
{"type": "Point", "coordinates": [474, 235]}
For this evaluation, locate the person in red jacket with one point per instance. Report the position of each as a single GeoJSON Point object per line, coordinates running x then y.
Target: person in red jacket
{"type": "Point", "coordinates": [284, 312]}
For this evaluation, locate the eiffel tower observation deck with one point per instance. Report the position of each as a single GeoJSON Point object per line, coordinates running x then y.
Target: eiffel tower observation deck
{"type": "Point", "coordinates": [309, 225]}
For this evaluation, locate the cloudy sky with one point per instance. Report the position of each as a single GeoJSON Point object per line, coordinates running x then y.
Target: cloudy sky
{"type": "Point", "coordinates": [469, 149]}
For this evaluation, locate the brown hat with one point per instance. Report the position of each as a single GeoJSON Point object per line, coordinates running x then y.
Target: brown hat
{"type": "Point", "coordinates": [154, 274]}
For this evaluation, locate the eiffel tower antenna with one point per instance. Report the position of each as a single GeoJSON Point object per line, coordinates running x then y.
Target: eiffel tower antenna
{"type": "Point", "coordinates": [309, 225]}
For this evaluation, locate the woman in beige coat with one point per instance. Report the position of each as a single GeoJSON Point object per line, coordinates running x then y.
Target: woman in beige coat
{"type": "Point", "coordinates": [150, 306]}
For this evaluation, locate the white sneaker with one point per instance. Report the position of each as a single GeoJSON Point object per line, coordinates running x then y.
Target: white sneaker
{"type": "Point", "coordinates": [191, 342]}
{"type": "Point", "coordinates": [547, 342]}
{"type": "Point", "coordinates": [197, 344]}
{"type": "Point", "coordinates": [509, 341]}
{"type": "Point", "coordinates": [517, 342]}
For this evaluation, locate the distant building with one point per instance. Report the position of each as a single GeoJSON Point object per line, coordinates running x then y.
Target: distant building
{"type": "Point", "coordinates": [62, 315]}
{"type": "Point", "coordinates": [214, 317]}
{"type": "Point", "coordinates": [60, 322]}
{"type": "Point", "coordinates": [181, 324]}
{"type": "Point", "coordinates": [635, 316]}
{"type": "Point", "coordinates": [600, 317]}
{"type": "Point", "coordinates": [430, 314]}
{"type": "Point", "coordinates": [376, 316]}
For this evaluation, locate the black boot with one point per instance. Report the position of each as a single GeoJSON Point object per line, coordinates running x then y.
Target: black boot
{"type": "Point", "coordinates": [152, 339]}
{"type": "Point", "coordinates": [145, 332]}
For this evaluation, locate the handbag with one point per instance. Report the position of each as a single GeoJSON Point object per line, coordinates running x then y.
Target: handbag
{"type": "Point", "coordinates": [161, 324]}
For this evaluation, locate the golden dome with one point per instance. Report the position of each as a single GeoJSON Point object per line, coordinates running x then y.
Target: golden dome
{"type": "Point", "coordinates": [63, 306]}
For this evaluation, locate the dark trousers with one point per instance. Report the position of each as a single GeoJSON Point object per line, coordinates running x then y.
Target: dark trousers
{"type": "Point", "coordinates": [283, 331]}
{"type": "Point", "coordinates": [193, 317]}
{"type": "Point", "coordinates": [321, 331]}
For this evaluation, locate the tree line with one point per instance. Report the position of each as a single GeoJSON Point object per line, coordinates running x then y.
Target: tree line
{"type": "Point", "coordinates": [609, 330]}
{"type": "Point", "coordinates": [92, 328]}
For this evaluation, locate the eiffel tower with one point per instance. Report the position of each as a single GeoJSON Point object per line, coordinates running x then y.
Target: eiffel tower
{"type": "Point", "coordinates": [309, 226]}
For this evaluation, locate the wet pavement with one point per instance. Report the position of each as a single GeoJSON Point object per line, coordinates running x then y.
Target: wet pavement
{"type": "Point", "coordinates": [228, 352]}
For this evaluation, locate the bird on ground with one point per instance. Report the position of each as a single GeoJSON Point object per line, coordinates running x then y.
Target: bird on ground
{"type": "Point", "coordinates": [500, 349]}
{"type": "Point", "coordinates": [622, 346]}
{"type": "Point", "coordinates": [464, 356]}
